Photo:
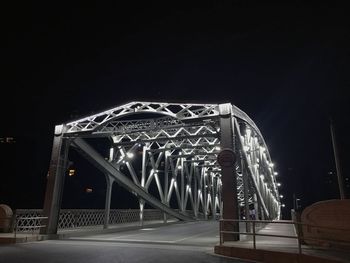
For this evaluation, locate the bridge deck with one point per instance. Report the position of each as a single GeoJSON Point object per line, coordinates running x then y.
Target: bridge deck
{"type": "Point", "coordinates": [179, 242]}
{"type": "Point", "coordinates": [202, 233]}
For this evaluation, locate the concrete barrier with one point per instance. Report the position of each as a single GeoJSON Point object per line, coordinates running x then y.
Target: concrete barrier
{"type": "Point", "coordinates": [330, 222]}
{"type": "Point", "coordinates": [5, 218]}
{"type": "Point", "coordinates": [268, 256]}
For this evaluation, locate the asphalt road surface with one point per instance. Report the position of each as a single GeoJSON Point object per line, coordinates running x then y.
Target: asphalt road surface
{"type": "Point", "coordinates": [183, 242]}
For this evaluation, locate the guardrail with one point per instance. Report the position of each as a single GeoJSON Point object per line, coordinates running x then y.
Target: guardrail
{"type": "Point", "coordinates": [17, 224]}
{"type": "Point", "coordinates": [28, 224]}
{"type": "Point", "coordinates": [78, 218]}
{"type": "Point", "coordinates": [299, 232]}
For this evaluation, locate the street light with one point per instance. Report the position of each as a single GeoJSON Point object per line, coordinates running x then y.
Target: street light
{"type": "Point", "coordinates": [130, 155]}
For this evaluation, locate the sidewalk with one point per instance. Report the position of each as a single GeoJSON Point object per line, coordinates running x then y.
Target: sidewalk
{"type": "Point", "coordinates": [271, 248]}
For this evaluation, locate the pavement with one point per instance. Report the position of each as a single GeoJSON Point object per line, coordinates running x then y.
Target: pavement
{"type": "Point", "coordinates": [153, 242]}
{"type": "Point", "coordinates": [177, 242]}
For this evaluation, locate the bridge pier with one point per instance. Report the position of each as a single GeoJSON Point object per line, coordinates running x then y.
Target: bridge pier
{"type": "Point", "coordinates": [229, 177]}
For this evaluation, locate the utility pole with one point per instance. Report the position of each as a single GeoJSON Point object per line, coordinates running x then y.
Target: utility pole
{"type": "Point", "coordinates": [337, 162]}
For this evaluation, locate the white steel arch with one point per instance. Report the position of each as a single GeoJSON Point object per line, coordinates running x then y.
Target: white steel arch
{"type": "Point", "coordinates": [179, 145]}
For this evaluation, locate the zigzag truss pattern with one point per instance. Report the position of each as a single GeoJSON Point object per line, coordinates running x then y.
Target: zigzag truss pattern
{"type": "Point", "coordinates": [166, 154]}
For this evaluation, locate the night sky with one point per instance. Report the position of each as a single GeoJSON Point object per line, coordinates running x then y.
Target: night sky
{"type": "Point", "coordinates": [286, 66]}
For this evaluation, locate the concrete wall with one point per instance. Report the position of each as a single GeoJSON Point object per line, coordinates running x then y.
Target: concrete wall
{"type": "Point", "coordinates": [332, 218]}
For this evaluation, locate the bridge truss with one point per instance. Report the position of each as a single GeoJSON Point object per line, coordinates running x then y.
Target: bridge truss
{"type": "Point", "coordinates": [173, 148]}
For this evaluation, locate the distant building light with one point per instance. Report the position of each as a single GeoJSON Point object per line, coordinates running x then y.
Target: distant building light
{"type": "Point", "coordinates": [278, 184]}
{"type": "Point", "coordinates": [7, 140]}
{"type": "Point", "coordinates": [71, 172]}
{"type": "Point", "coordinates": [88, 190]}
{"type": "Point", "coordinates": [281, 196]}
{"type": "Point", "coordinates": [283, 205]}
{"type": "Point", "coordinates": [275, 173]}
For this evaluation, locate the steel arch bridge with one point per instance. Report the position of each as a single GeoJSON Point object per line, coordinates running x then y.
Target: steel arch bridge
{"type": "Point", "coordinates": [178, 145]}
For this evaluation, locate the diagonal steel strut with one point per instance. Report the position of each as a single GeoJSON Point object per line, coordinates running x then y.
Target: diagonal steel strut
{"type": "Point", "coordinates": [96, 159]}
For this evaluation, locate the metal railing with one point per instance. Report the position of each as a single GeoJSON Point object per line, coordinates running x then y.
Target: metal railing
{"type": "Point", "coordinates": [78, 218]}
{"type": "Point", "coordinates": [15, 224]}
{"type": "Point", "coordinates": [299, 232]}
{"type": "Point", "coordinates": [28, 224]}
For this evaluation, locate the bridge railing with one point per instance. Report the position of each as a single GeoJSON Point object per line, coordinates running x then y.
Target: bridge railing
{"type": "Point", "coordinates": [329, 241]}
{"type": "Point", "coordinates": [77, 218]}
{"type": "Point", "coordinates": [28, 224]}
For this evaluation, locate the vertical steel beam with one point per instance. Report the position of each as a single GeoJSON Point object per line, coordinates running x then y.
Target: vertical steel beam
{"type": "Point", "coordinates": [204, 195]}
{"type": "Point", "coordinates": [166, 183]}
{"type": "Point", "coordinates": [213, 194]}
{"type": "Point", "coordinates": [182, 181]}
{"type": "Point", "coordinates": [55, 180]}
{"type": "Point", "coordinates": [142, 206]}
{"type": "Point", "coordinates": [256, 207]}
{"type": "Point", "coordinates": [144, 167]}
{"type": "Point", "coordinates": [109, 185]}
{"type": "Point", "coordinates": [195, 194]}
{"type": "Point", "coordinates": [229, 178]}
{"type": "Point", "coordinates": [246, 192]}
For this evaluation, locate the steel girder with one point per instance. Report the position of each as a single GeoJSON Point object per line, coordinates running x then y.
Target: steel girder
{"type": "Point", "coordinates": [178, 145]}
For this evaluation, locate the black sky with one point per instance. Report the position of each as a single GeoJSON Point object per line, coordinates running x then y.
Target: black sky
{"type": "Point", "coordinates": [287, 66]}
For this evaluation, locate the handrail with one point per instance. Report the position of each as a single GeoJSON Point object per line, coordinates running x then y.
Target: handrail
{"type": "Point", "coordinates": [283, 222]}
{"type": "Point", "coordinates": [296, 224]}
{"type": "Point", "coordinates": [37, 225]}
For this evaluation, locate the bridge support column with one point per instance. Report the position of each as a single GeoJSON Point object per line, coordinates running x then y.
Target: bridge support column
{"type": "Point", "coordinates": [55, 181]}
{"type": "Point", "coordinates": [109, 185]}
{"type": "Point", "coordinates": [229, 179]}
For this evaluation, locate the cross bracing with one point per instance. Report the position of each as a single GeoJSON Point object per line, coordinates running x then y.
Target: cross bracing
{"type": "Point", "coordinates": [166, 154]}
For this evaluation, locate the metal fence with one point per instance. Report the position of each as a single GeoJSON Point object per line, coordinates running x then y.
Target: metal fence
{"type": "Point", "coordinates": [26, 220]}
{"type": "Point", "coordinates": [329, 241]}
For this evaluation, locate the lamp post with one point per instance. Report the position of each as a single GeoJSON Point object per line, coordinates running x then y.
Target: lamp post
{"type": "Point", "coordinates": [295, 202]}
{"type": "Point", "coordinates": [337, 162]}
